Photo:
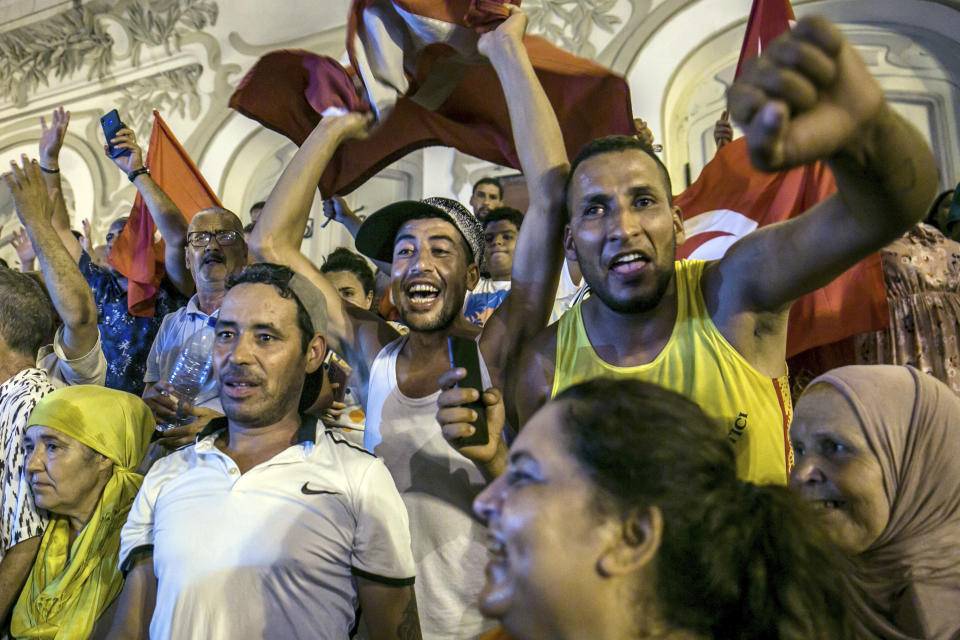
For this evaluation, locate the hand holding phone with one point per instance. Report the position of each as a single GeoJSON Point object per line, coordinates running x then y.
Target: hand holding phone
{"type": "Point", "coordinates": [464, 354]}
{"type": "Point", "coordinates": [111, 124]}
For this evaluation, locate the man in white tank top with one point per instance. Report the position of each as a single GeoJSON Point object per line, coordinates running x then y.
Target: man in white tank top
{"type": "Point", "coordinates": [434, 247]}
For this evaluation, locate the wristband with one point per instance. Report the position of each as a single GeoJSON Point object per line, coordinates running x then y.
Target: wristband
{"type": "Point", "coordinates": [137, 172]}
{"type": "Point", "coordinates": [45, 170]}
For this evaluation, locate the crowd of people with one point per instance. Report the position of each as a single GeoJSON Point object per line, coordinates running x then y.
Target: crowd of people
{"type": "Point", "coordinates": [630, 464]}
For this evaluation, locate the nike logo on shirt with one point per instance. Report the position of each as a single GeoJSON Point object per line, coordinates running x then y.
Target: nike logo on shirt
{"type": "Point", "coordinates": [307, 491]}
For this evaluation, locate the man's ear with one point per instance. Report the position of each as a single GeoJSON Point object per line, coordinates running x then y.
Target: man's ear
{"type": "Point", "coordinates": [316, 352]}
{"type": "Point", "coordinates": [678, 231]}
{"type": "Point", "coordinates": [568, 248]}
{"type": "Point", "coordinates": [637, 544]}
{"type": "Point", "coordinates": [473, 276]}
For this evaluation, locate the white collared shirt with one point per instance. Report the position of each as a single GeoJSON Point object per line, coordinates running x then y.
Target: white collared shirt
{"type": "Point", "coordinates": [273, 552]}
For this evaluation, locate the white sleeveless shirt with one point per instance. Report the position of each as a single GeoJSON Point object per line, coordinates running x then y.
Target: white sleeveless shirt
{"type": "Point", "coordinates": [438, 486]}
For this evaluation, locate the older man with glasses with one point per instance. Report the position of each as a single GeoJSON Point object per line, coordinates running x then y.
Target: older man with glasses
{"type": "Point", "coordinates": [215, 251]}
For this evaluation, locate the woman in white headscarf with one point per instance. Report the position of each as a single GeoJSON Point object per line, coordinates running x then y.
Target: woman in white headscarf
{"type": "Point", "coordinates": [878, 452]}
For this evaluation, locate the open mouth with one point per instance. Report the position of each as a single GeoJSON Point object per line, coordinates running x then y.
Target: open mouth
{"type": "Point", "coordinates": [212, 258]}
{"type": "Point", "coordinates": [497, 558]}
{"type": "Point", "coordinates": [422, 294]}
{"type": "Point", "coordinates": [629, 263]}
{"type": "Point", "coordinates": [239, 387]}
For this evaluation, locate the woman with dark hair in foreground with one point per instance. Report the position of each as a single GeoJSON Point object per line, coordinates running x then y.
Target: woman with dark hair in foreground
{"type": "Point", "coordinates": [621, 516]}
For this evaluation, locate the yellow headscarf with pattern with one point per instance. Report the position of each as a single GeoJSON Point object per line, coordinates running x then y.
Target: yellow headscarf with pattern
{"type": "Point", "coordinates": [71, 586]}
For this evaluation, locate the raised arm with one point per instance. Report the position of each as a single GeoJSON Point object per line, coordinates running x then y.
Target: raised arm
{"type": "Point", "coordinates": [810, 97]}
{"type": "Point", "coordinates": [543, 158]}
{"type": "Point", "coordinates": [390, 611]}
{"type": "Point", "coordinates": [165, 214]}
{"type": "Point", "coordinates": [279, 231]}
{"type": "Point", "coordinates": [336, 208]}
{"type": "Point", "coordinates": [71, 296]}
{"type": "Point", "coordinates": [51, 140]}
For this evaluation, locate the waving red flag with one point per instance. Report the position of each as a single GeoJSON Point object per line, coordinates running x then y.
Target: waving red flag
{"type": "Point", "coordinates": [731, 198]}
{"type": "Point", "coordinates": [136, 253]}
{"type": "Point", "coordinates": [428, 85]}
{"type": "Point", "coordinates": [768, 19]}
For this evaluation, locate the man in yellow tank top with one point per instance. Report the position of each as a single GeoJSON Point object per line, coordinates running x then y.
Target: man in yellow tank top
{"type": "Point", "coordinates": [716, 331]}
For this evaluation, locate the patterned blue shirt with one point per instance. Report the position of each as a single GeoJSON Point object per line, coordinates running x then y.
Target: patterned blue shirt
{"type": "Point", "coordinates": [126, 339]}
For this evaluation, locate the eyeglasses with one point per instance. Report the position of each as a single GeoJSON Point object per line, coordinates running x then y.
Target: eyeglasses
{"type": "Point", "coordinates": [202, 238]}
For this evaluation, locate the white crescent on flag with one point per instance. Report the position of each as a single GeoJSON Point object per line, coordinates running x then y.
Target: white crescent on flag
{"type": "Point", "coordinates": [711, 233]}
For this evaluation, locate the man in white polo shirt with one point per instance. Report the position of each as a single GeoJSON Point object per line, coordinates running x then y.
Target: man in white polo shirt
{"type": "Point", "coordinates": [267, 528]}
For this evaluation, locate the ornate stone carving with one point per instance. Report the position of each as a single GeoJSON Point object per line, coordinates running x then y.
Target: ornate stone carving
{"type": "Point", "coordinates": [59, 46]}
{"type": "Point", "coordinates": [63, 44]}
{"type": "Point", "coordinates": [163, 22]}
{"type": "Point", "coordinates": [571, 23]}
{"type": "Point", "coordinates": [168, 91]}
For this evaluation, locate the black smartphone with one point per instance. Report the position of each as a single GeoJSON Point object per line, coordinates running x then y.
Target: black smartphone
{"type": "Point", "coordinates": [111, 124]}
{"type": "Point", "coordinates": [464, 354]}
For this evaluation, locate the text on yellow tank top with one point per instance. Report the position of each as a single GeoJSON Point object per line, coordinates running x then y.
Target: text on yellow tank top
{"type": "Point", "coordinates": [753, 410]}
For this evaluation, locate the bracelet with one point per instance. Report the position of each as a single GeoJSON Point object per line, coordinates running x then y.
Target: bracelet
{"type": "Point", "coordinates": [137, 172]}
{"type": "Point", "coordinates": [45, 170]}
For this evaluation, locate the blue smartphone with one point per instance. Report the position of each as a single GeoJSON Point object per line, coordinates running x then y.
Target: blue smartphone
{"type": "Point", "coordinates": [111, 124]}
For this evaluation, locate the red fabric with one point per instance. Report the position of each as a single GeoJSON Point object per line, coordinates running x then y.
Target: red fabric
{"type": "Point", "coordinates": [318, 81]}
{"type": "Point", "coordinates": [136, 253]}
{"type": "Point", "coordinates": [589, 100]}
{"type": "Point", "coordinates": [856, 302]}
{"type": "Point", "coordinates": [484, 15]}
{"type": "Point", "coordinates": [768, 19]}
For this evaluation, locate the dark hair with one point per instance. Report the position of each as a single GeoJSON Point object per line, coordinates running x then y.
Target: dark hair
{"type": "Point", "coordinates": [931, 217]}
{"type": "Point", "coordinates": [736, 560]}
{"type": "Point", "coordinates": [613, 144]}
{"type": "Point", "coordinates": [488, 180]}
{"type": "Point", "coordinates": [342, 259]}
{"type": "Point", "coordinates": [26, 315]}
{"type": "Point", "coordinates": [503, 213]}
{"type": "Point", "coordinates": [76, 234]}
{"type": "Point", "coordinates": [249, 228]}
{"type": "Point", "coordinates": [258, 205]}
{"type": "Point", "coordinates": [278, 276]}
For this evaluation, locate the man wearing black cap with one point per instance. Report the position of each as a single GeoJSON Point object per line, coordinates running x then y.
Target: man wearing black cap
{"type": "Point", "coordinates": [434, 247]}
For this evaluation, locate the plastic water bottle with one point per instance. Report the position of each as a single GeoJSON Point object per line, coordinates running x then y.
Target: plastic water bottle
{"type": "Point", "coordinates": [191, 371]}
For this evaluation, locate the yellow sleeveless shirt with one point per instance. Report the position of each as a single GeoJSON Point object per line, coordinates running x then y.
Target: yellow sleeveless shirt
{"type": "Point", "coordinates": [754, 411]}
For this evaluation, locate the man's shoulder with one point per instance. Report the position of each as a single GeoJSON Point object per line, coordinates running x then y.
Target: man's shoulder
{"type": "Point", "coordinates": [347, 453]}
{"type": "Point", "coordinates": [171, 465]}
{"type": "Point", "coordinates": [545, 341]}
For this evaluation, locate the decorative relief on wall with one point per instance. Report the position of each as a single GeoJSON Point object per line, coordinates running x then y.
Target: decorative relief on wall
{"type": "Point", "coordinates": [163, 23]}
{"type": "Point", "coordinates": [572, 24]}
{"type": "Point", "coordinates": [58, 46]}
{"type": "Point", "coordinates": [174, 90]}
{"type": "Point", "coordinates": [77, 39]}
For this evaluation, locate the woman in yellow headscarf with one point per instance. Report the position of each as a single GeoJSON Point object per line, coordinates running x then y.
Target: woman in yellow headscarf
{"type": "Point", "coordinates": [83, 444]}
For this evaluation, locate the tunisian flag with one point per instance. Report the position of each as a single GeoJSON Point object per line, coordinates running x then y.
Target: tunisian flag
{"type": "Point", "coordinates": [422, 76]}
{"type": "Point", "coordinates": [768, 19]}
{"type": "Point", "coordinates": [136, 253]}
{"type": "Point", "coordinates": [731, 198]}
